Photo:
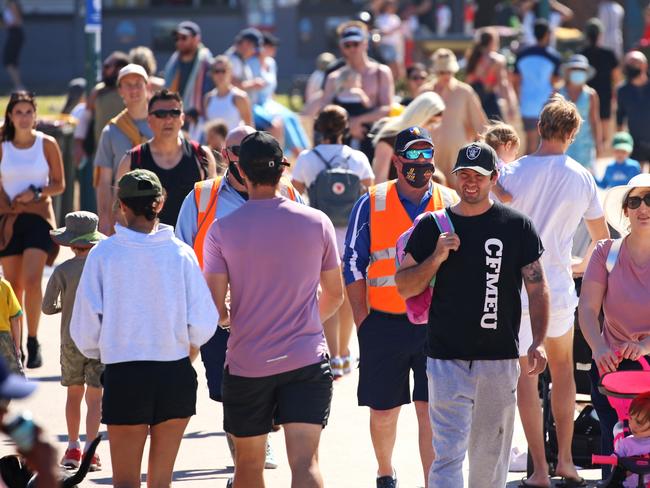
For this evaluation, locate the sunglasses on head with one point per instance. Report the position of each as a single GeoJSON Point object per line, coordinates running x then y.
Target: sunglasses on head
{"type": "Point", "coordinates": [162, 113]}
{"type": "Point", "coordinates": [234, 150]}
{"type": "Point", "coordinates": [347, 45]}
{"type": "Point", "coordinates": [635, 202]}
{"type": "Point", "coordinates": [414, 154]}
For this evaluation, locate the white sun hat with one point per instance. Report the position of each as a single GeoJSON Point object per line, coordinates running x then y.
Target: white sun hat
{"type": "Point", "coordinates": [614, 202]}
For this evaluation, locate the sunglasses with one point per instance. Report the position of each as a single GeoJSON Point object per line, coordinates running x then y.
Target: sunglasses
{"type": "Point", "coordinates": [218, 71]}
{"type": "Point", "coordinates": [234, 150]}
{"type": "Point", "coordinates": [635, 202]}
{"type": "Point", "coordinates": [417, 78]}
{"type": "Point", "coordinates": [414, 154]}
{"type": "Point", "coordinates": [162, 113]}
{"type": "Point", "coordinates": [181, 38]}
{"type": "Point", "coordinates": [348, 45]}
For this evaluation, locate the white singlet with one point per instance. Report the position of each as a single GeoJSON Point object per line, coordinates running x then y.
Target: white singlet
{"type": "Point", "coordinates": [224, 108]}
{"type": "Point", "coordinates": [21, 168]}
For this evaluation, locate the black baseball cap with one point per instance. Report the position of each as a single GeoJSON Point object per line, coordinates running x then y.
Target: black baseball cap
{"type": "Point", "coordinates": [260, 149]}
{"type": "Point", "coordinates": [410, 136]}
{"type": "Point", "coordinates": [477, 156]}
{"type": "Point", "coordinates": [188, 28]}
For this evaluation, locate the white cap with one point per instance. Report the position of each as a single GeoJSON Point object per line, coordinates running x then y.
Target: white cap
{"type": "Point", "coordinates": [132, 69]}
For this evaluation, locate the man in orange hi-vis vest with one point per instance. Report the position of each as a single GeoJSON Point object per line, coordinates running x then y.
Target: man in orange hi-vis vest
{"type": "Point", "coordinates": [389, 345]}
{"type": "Point", "coordinates": [210, 200]}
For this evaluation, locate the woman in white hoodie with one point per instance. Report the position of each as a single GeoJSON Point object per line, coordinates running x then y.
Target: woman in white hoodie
{"type": "Point", "coordinates": [143, 309]}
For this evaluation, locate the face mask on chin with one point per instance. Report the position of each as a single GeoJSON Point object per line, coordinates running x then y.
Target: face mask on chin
{"type": "Point", "coordinates": [232, 169]}
{"type": "Point", "coordinates": [416, 174]}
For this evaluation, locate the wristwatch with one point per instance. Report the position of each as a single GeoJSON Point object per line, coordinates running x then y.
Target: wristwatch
{"type": "Point", "coordinates": [38, 192]}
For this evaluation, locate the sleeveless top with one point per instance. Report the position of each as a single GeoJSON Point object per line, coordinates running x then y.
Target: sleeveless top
{"type": "Point", "coordinates": [224, 108]}
{"type": "Point", "coordinates": [177, 181]}
{"type": "Point", "coordinates": [583, 148]}
{"type": "Point", "coordinates": [21, 168]}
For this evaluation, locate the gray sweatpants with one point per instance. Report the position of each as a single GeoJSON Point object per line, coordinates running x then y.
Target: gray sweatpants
{"type": "Point", "coordinates": [472, 409]}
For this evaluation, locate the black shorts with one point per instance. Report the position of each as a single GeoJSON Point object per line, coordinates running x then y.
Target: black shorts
{"type": "Point", "coordinates": [13, 46]}
{"type": "Point", "coordinates": [148, 392]}
{"type": "Point", "coordinates": [641, 151]}
{"type": "Point", "coordinates": [252, 405]}
{"type": "Point", "coordinates": [390, 347]}
{"type": "Point", "coordinates": [213, 355]}
{"type": "Point", "coordinates": [30, 231]}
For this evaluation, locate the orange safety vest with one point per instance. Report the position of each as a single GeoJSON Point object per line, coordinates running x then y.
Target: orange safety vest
{"type": "Point", "coordinates": [388, 221]}
{"type": "Point", "coordinates": [206, 195]}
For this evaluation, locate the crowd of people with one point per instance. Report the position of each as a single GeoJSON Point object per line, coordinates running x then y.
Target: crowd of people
{"type": "Point", "coordinates": [422, 218]}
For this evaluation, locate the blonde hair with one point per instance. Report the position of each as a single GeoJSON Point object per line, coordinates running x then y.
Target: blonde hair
{"type": "Point", "coordinates": [559, 118]}
{"type": "Point", "coordinates": [419, 111]}
{"type": "Point", "coordinates": [222, 59]}
{"type": "Point", "coordinates": [499, 134]}
{"type": "Point", "coordinates": [352, 23]}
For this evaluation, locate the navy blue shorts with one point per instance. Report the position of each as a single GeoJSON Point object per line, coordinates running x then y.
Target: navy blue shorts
{"type": "Point", "coordinates": [213, 355]}
{"type": "Point", "coordinates": [390, 347]}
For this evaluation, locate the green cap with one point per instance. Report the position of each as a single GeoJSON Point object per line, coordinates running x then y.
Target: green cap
{"type": "Point", "coordinates": [623, 141]}
{"type": "Point", "coordinates": [139, 183]}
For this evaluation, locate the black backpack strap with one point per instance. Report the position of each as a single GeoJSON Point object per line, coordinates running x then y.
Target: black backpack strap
{"type": "Point", "coordinates": [201, 158]}
{"type": "Point", "coordinates": [136, 157]}
{"type": "Point", "coordinates": [320, 156]}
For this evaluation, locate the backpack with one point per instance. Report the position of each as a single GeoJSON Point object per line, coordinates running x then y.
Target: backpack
{"type": "Point", "coordinates": [335, 191]}
{"type": "Point", "coordinates": [417, 307]}
{"type": "Point", "coordinates": [199, 155]}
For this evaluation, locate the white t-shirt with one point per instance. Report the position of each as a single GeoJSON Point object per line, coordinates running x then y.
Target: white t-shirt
{"type": "Point", "coordinates": [388, 23]}
{"type": "Point", "coordinates": [309, 165]}
{"type": "Point", "coordinates": [556, 192]}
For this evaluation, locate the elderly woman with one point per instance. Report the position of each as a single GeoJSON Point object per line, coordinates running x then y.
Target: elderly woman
{"type": "Point", "coordinates": [621, 291]}
{"type": "Point", "coordinates": [426, 110]}
{"type": "Point", "coordinates": [464, 118]}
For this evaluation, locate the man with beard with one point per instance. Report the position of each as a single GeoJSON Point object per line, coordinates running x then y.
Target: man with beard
{"type": "Point", "coordinates": [390, 346]}
{"type": "Point", "coordinates": [634, 105]}
{"type": "Point", "coordinates": [126, 130]}
{"type": "Point", "coordinates": [188, 70]}
{"type": "Point", "coordinates": [472, 353]}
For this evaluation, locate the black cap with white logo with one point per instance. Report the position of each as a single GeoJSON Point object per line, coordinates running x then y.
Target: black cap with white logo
{"type": "Point", "coordinates": [477, 156]}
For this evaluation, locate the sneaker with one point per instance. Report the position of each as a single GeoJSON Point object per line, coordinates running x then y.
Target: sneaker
{"type": "Point", "coordinates": [34, 359]}
{"type": "Point", "coordinates": [270, 462]}
{"type": "Point", "coordinates": [387, 482]}
{"type": "Point", "coordinates": [336, 365]}
{"type": "Point", "coordinates": [95, 464]}
{"type": "Point", "coordinates": [230, 482]}
{"type": "Point", "coordinates": [72, 457]}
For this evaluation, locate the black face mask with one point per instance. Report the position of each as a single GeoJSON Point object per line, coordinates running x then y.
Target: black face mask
{"type": "Point", "coordinates": [110, 81]}
{"type": "Point", "coordinates": [631, 72]}
{"type": "Point", "coordinates": [417, 175]}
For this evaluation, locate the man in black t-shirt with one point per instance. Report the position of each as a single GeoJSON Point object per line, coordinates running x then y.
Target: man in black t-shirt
{"type": "Point", "coordinates": [472, 334]}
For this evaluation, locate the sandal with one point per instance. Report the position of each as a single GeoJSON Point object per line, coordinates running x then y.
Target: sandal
{"type": "Point", "coordinates": [571, 483]}
{"type": "Point", "coordinates": [525, 484]}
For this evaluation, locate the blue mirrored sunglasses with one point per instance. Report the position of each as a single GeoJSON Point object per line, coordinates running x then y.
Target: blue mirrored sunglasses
{"type": "Point", "coordinates": [418, 153]}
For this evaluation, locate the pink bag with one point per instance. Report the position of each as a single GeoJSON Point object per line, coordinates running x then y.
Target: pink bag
{"type": "Point", "coordinates": [417, 307]}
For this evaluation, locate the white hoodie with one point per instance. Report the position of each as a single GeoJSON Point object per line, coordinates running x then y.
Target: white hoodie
{"type": "Point", "coordinates": [142, 297]}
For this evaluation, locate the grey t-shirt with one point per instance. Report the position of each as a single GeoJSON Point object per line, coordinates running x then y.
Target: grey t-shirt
{"type": "Point", "coordinates": [113, 144]}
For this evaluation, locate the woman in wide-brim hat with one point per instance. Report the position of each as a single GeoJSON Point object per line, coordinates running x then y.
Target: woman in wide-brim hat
{"type": "Point", "coordinates": [588, 141]}
{"type": "Point", "coordinates": [621, 291]}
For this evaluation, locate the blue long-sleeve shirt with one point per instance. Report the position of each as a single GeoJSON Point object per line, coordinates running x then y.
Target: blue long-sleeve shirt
{"type": "Point", "coordinates": [619, 173]}
{"type": "Point", "coordinates": [356, 257]}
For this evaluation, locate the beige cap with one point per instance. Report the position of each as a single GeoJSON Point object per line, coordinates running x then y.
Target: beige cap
{"type": "Point", "coordinates": [132, 69]}
{"type": "Point", "coordinates": [444, 60]}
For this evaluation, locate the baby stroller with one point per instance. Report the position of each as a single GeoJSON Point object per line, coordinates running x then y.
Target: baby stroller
{"type": "Point", "coordinates": [621, 387]}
